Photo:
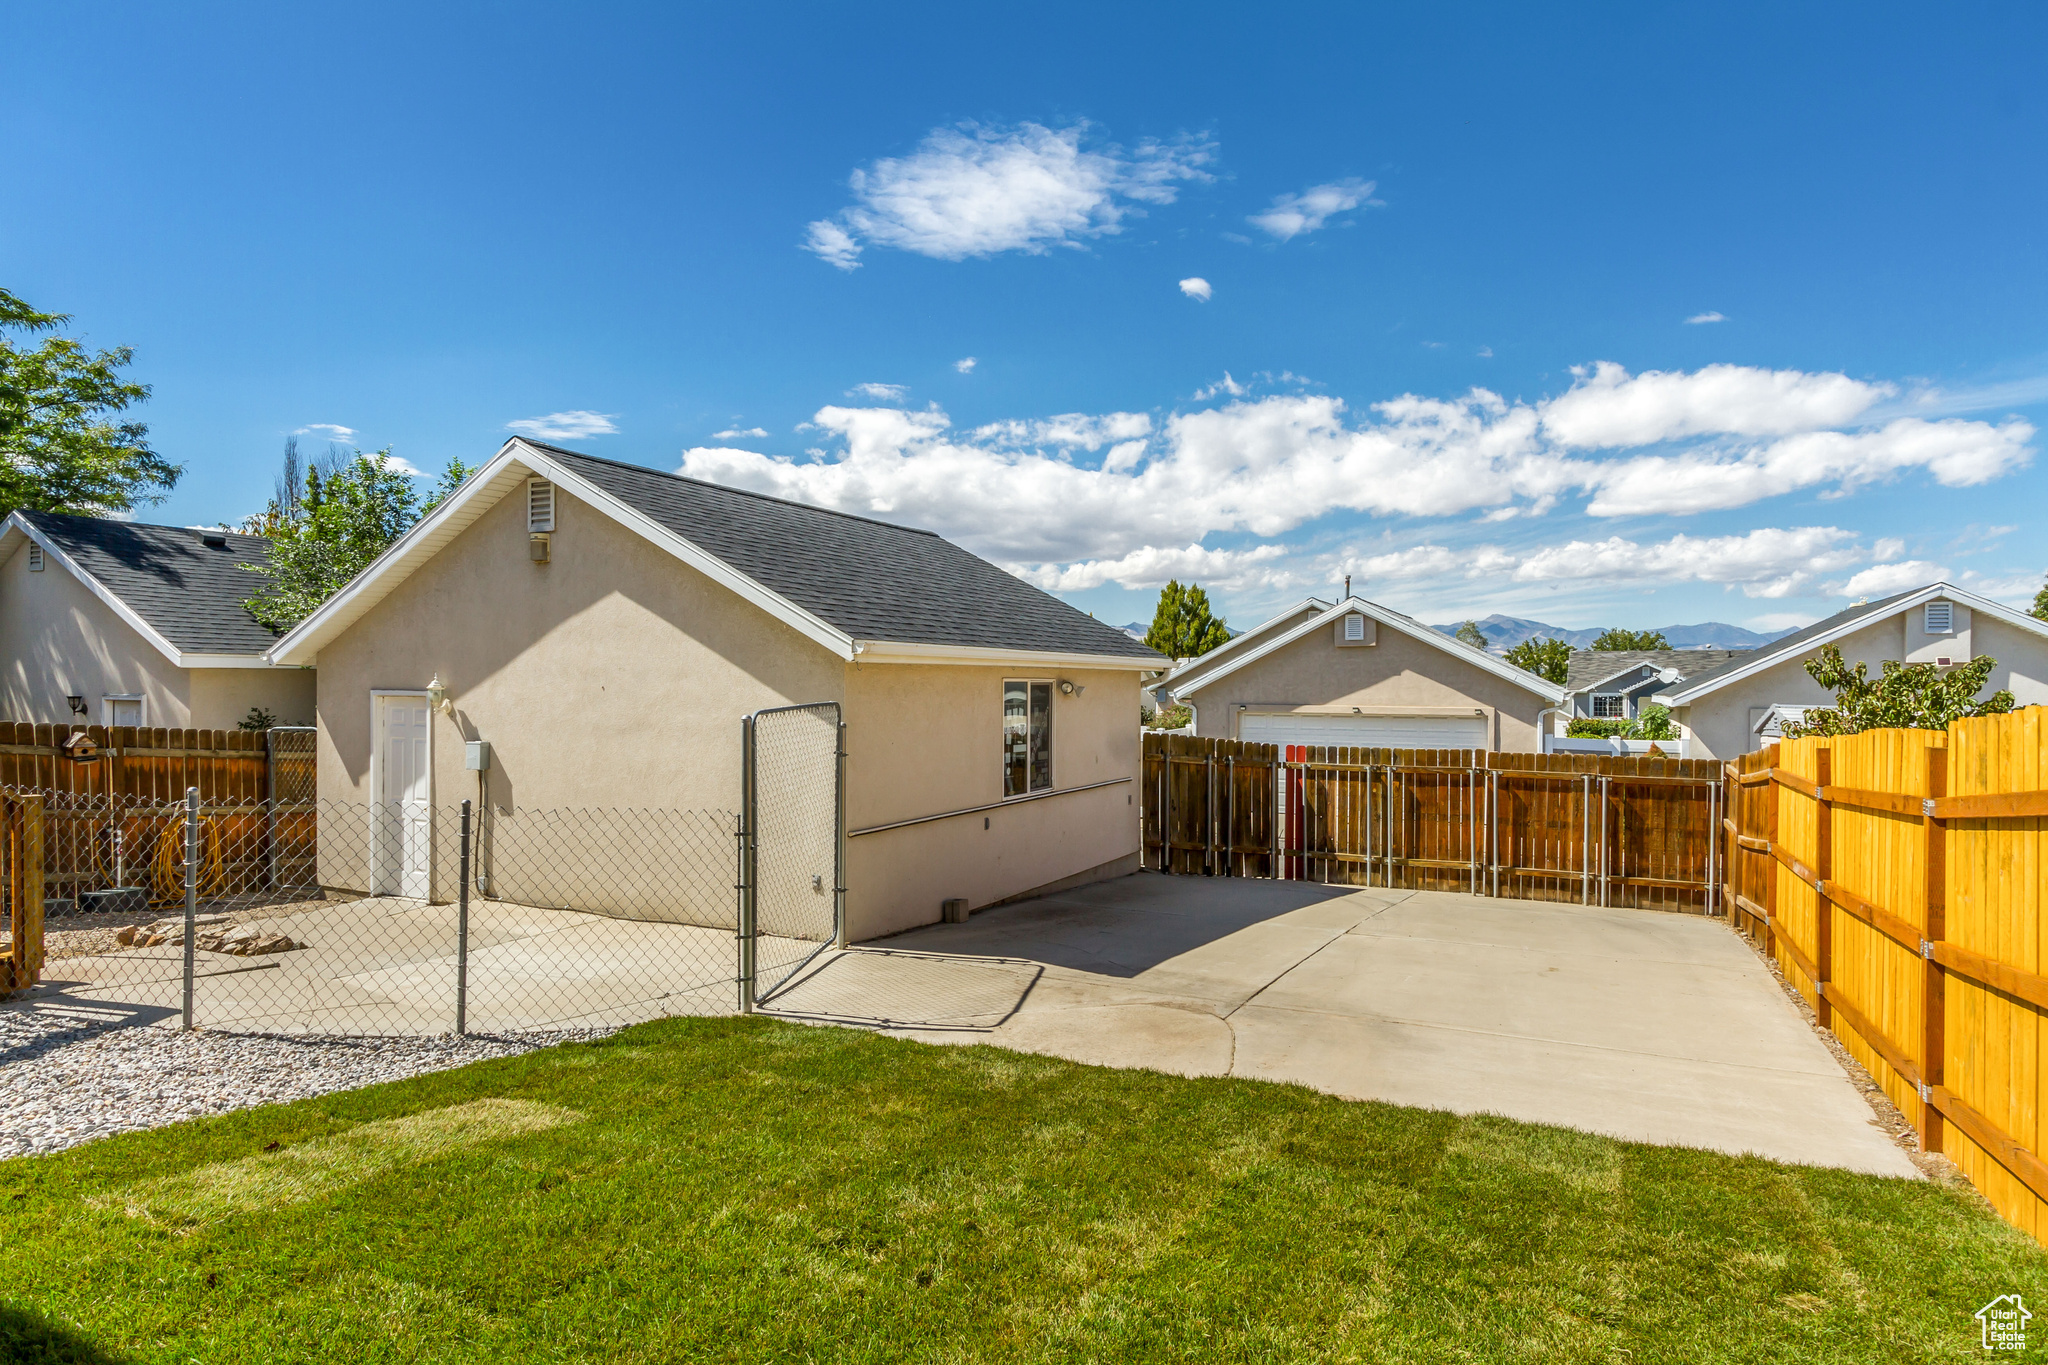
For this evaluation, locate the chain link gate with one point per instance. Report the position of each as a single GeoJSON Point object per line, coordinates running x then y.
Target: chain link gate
{"type": "Point", "coordinates": [792, 885]}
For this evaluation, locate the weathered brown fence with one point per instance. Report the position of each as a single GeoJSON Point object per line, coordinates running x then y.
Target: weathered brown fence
{"type": "Point", "coordinates": [108, 813]}
{"type": "Point", "coordinates": [1637, 832]}
{"type": "Point", "coordinates": [1900, 880]}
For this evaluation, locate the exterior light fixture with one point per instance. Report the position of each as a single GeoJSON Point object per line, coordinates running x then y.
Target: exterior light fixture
{"type": "Point", "coordinates": [437, 696]}
{"type": "Point", "coordinates": [77, 705]}
{"type": "Point", "coordinates": [1070, 689]}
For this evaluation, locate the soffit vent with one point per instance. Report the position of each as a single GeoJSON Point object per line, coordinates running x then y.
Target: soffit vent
{"type": "Point", "coordinates": [1940, 618]}
{"type": "Point", "coordinates": [540, 506]}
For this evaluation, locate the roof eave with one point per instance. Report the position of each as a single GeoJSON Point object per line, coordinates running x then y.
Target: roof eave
{"type": "Point", "coordinates": [914, 652]}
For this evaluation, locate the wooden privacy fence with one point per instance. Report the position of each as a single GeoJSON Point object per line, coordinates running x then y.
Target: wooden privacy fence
{"type": "Point", "coordinates": [1637, 832]}
{"type": "Point", "coordinates": [1900, 880]}
{"type": "Point", "coordinates": [75, 820]}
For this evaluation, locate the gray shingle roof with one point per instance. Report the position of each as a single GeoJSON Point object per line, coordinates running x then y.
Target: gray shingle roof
{"type": "Point", "coordinates": [873, 580]}
{"type": "Point", "coordinates": [1590, 666]}
{"type": "Point", "coordinates": [191, 593]}
{"type": "Point", "coordinates": [1797, 640]}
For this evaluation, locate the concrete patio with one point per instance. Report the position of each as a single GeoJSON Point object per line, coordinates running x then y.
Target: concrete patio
{"type": "Point", "coordinates": [1654, 1027]}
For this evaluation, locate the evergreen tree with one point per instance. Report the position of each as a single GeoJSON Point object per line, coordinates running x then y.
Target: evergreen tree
{"type": "Point", "coordinates": [1471, 634]}
{"type": "Point", "coordinates": [1183, 627]}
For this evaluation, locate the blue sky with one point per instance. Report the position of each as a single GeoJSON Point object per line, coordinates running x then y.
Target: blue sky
{"type": "Point", "coordinates": [1450, 256]}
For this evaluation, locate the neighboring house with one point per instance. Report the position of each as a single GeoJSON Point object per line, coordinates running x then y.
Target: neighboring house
{"type": "Point", "coordinates": [1616, 684]}
{"type": "Point", "coordinates": [1726, 710]}
{"type": "Point", "coordinates": [605, 627]}
{"type": "Point", "coordinates": [1356, 673]}
{"type": "Point", "coordinates": [116, 623]}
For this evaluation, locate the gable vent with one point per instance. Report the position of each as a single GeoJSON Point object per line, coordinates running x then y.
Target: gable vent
{"type": "Point", "coordinates": [1940, 617]}
{"type": "Point", "coordinates": [540, 506]}
{"type": "Point", "coordinates": [35, 559]}
{"type": "Point", "coordinates": [1354, 627]}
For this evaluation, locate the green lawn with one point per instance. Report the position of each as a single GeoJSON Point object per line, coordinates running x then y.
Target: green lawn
{"type": "Point", "coordinates": [750, 1191]}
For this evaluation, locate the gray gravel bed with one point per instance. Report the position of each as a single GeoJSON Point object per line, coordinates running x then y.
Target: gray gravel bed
{"type": "Point", "coordinates": [71, 1071]}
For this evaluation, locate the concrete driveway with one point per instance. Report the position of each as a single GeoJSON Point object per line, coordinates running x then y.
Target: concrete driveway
{"type": "Point", "coordinates": [1653, 1027]}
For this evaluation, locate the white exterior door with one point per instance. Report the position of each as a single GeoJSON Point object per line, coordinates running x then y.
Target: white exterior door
{"type": "Point", "coordinates": [401, 821]}
{"type": "Point", "coordinates": [1366, 732]}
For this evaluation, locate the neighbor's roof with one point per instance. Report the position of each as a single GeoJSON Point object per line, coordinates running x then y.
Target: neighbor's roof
{"type": "Point", "coordinates": [851, 583]}
{"type": "Point", "coordinates": [1802, 642]}
{"type": "Point", "coordinates": [1243, 641]}
{"type": "Point", "coordinates": [182, 595]}
{"type": "Point", "coordinates": [1386, 616]}
{"type": "Point", "coordinates": [1591, 667]}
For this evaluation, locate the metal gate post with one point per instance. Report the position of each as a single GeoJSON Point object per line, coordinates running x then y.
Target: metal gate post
{"type": "Point", "coordinates": [1166, 804]}
{"type": "Point", "coordinates": [1279, 813]}
{"type": "Point", "coordinates": [749, 835]}
{"type": "Point", "coordinates": [1230, 815]}
{"type": "Point", "coordinates": [839, 842]}
{"type": "Point", "coordinates": [1209, 813]}
{"type": "Point", "coordinates": [1603, 841]}
{"type": "Point", "coordinates": [191, 895]}
{"type": "Point", "coordinates": [462, 934]}
{"type": "Point", "coordinates": [1585, 839]}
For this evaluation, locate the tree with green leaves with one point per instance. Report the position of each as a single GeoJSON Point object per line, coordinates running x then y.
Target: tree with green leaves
{"type": "Point", "coordinates": [2041, 603]}
{"type": "Point", "coordinates": [1183, 627]}
{"type": "Point", "coordinates": [1903, 697]}
{"type": "Point", "coordinates": [1471, 634]}
{"type": "Point", "coordinates": [1546, 658]}
{"type": "Point", "coordinates": [333, 531]}
{"type": "Point", "coordinates": [1617, 638]}
{"type": "Point", "coordinates": [61, 447]}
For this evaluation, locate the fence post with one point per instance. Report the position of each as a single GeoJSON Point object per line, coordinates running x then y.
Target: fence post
{"type": "Point", "coordinates": [462, 935]}
{"type": "Point", "coordinates": [1166, 805]}
{"type": "Point", "coordinates": [1933, 988]}
{"type": "Point", "coordinates": [1279, 814]}
{"type": "Point", "coordinates": [1209, 812]}
{"type": "Point", "coordinates": [1823, 873]}
{"type": "Point", "coordinates": [1770, 859]}
{"type": "Point", "coordinates": [748, 836]}
{"type": "Point", "coordinates": [191, 895]}
{"type": "Point", "coordinates": [1230, 815]}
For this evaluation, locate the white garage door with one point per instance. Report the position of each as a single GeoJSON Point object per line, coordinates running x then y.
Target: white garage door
{"type": "Point", "coordinates": [1363, 732]}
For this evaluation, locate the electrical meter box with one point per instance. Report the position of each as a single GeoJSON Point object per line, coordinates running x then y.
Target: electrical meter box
{"type": "Point", "coordinates": [476, 755]}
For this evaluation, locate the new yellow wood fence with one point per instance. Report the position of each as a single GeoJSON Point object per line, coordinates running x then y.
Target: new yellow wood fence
{"type": "Point", "coordinates": [1900, 880]}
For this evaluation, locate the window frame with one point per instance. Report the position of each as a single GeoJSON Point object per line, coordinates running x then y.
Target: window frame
{"type": "Point", "coordinates": [1620, 700]}
{"type": "Point", "coordinates": [1051, 686]}
{"type": "Point", "coordinates": [107, 700]}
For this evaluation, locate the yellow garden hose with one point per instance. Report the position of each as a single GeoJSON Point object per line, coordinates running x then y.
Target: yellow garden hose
{"type": "Point", "coordinates": [167, 867]}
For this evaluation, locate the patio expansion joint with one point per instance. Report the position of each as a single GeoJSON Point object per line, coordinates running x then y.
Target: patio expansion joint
{"type": "Point", "coordinates": [1225, 1015]}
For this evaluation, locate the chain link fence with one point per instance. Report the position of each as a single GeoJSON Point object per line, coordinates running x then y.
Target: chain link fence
{"type": "Point", "coordinates": [792, 882]}
{"type": "Point", "coordinates": [301, 916]}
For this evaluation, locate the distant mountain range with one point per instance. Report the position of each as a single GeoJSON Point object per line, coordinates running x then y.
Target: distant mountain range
{"type": "Point", "coordinates": [1505, 632]}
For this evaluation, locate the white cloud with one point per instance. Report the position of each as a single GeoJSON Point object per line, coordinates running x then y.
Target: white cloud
{"type": "Point", "coordinates": [1223, 570]}
{"type": "Point", "coordinates": [1697, 318]}
{"type": "Point", "coordinates": [564, 426]}
{"type": "Point", "coordinates": [1016, 491]}
{"type": "Point", "coordinates": [1197, 288]}
{"type": "Point", "coordinates": [401, 464]}
{"type": "Point", "coordinates": [1780, 620]}
{"type": "Point", "coordinates": [1224, 385]}
{"type": "Point", "coordinates": [886, 393]}
{"type": "Point", "coordinates": [977, 190]}
{"type": "Point", "coordinates": [1294, 214]}
{"type": "Point", "coordinates": [1486, 352]}
{"type": "Point", "coordinates": [733, 433]}
{"type": "Point", "coordinates": [1768, 562]}
{"type": "Point", "coordinates": [1607, 407]}
{"type": "Point", "coordinates": [328, 431]}
{"type": "Point", "coordinates": [1882, 580]}
{"type": "Point", "coordinates": [966, 364]}
{"type": "Point", "coordinates": [1958, 454]}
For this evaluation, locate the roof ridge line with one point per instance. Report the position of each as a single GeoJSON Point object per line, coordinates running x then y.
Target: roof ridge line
{"type": "Point", "coordinates": [140, 525]}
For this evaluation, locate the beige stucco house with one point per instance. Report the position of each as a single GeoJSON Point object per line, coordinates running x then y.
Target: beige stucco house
{"type": "Point", "coordinates": [1356, 673]}
{"type": "Point", "coordinates": [117, 623]}
{"type": "Point", "coordinates": [604, 628]}
{"type": "Point", "coordinates": [1728, 710]}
